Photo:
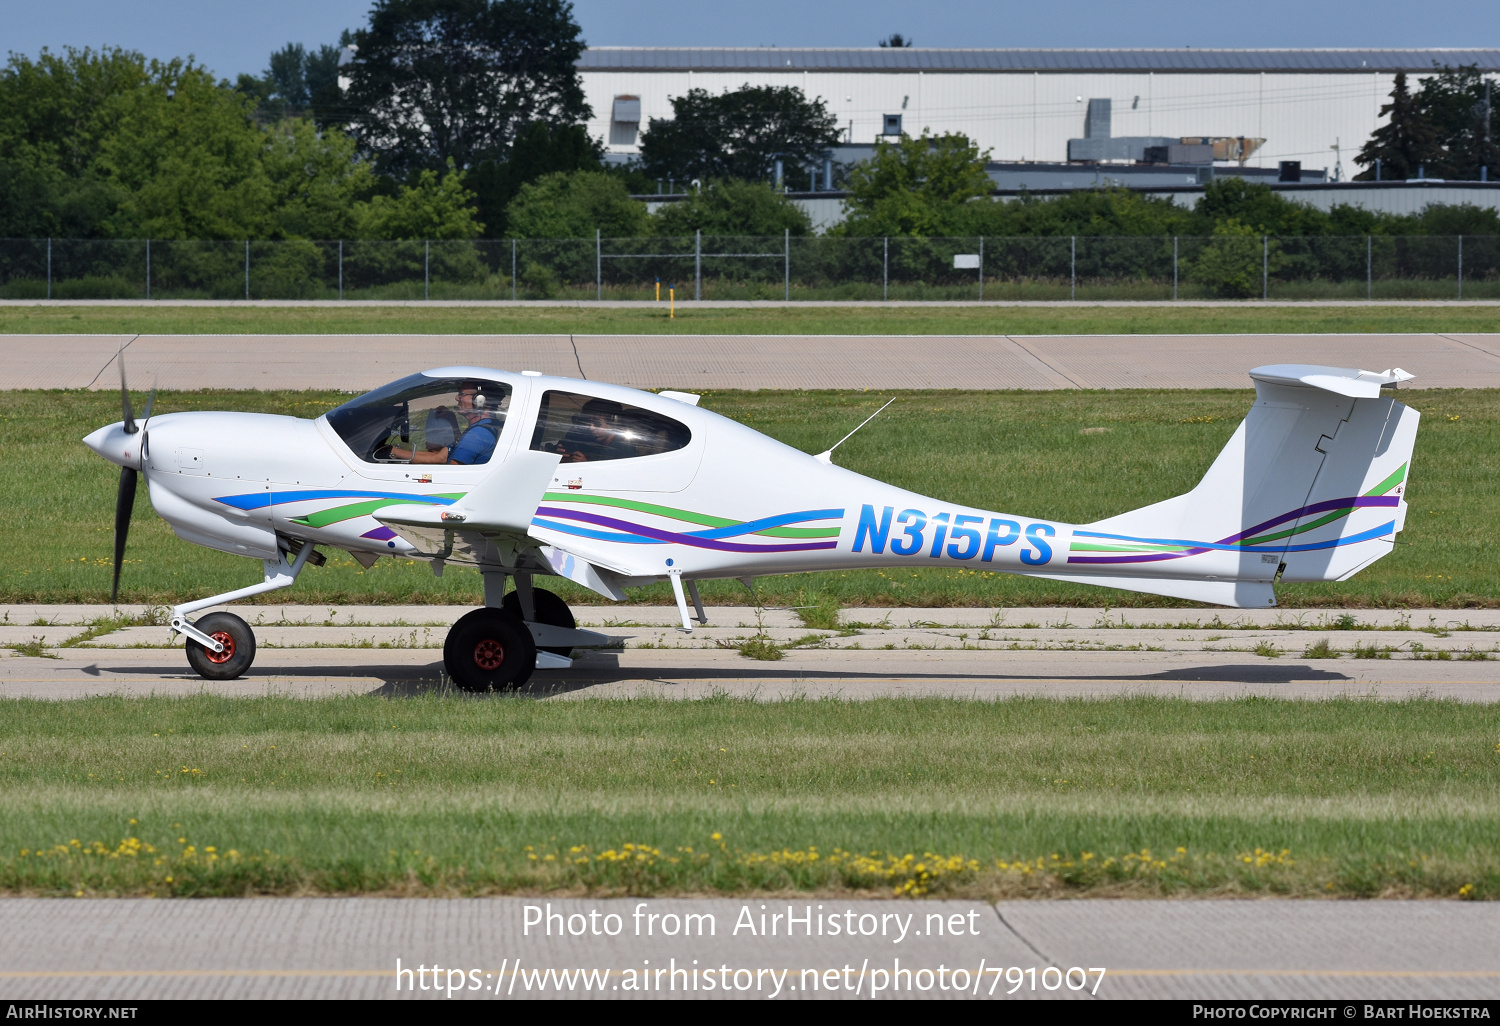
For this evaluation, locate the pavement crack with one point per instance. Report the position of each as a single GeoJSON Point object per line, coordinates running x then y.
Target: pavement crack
{"type": "Point", "coordinates": [118, 353]}
{"type": "Point", "coordinates": [576, 359]}
{"type": "Point", "coordinates": [1038, 952]}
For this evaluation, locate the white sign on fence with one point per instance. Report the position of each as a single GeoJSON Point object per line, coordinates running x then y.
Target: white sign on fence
{"type": "Point", "coordinates": [966, 261]}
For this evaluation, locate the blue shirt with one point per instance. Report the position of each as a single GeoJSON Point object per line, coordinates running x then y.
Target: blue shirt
{"type": "Point", "coordinates": [477, 444]}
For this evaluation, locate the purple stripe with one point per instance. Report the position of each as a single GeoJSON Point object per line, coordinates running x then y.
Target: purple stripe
{"type": "Point", "coordinates": [1353, 502]}
{"type": "Point", "coordinates": [673, 536]}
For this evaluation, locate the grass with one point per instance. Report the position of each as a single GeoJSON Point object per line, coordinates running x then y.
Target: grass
{"type": "Point", "coordinates": [651, 319]}
{"type": "Point", "coordinates": [1022, 452]}
{"type": "Point", "coordinates": [1139, 796]}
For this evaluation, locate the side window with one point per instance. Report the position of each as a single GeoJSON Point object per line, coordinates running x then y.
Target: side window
{"type": "Point", "coordinates": [585, 428]}
{"type": "Point", "coordinates": [425, 420]}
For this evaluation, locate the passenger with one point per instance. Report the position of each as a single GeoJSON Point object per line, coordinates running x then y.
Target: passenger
{"type": "Point", "coordinates": [594, 435]}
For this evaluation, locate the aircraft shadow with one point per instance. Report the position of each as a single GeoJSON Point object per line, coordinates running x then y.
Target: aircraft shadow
{"type": "Point", "coordinates": [594, 671]}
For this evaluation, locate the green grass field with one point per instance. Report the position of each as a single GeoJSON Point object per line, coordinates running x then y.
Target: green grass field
{"type": "Point", "coordinates": [652, 319]}
{"type": "Point", "coordinates": [434, 796]}
{"type": "Point", "coordinates": [1020, 452]}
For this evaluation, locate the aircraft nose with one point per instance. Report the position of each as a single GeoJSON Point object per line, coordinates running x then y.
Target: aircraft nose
{"type": "Point", "coordinates": [115, 445]}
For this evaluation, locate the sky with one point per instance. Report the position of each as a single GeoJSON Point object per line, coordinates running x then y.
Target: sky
{"type": "Point", "coordinates": [233, 36]}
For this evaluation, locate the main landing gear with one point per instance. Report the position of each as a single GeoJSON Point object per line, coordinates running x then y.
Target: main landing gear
{"type": "Point", "coordinates": [496, 648]}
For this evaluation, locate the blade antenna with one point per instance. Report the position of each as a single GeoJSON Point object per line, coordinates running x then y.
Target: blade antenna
{"type": "Point", "coordinates": [827, 455]}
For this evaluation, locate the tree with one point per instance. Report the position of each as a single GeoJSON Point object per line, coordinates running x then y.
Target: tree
{"type": "Point", "coordinates": [318, 184]}
{"type": "Point", "coordinates": [897, 40]}
{"type": "Point", "coordinates": [915, 186]}
{"type": "Point", "coordinates": [1404, 143]}
{"type": "Point", "coordinates": [538, 149]}
{"type": "Point", "coordinates": [738, 134]}
{"type": "Point", "coordinates": [189, 156]}
{"type": "Point", "coordinates": [1458, 106]}
{"type": "Point", "coordinates": [440, 80]}
{"type": "Point", "coordinates": [733, 207]}
{"type": "Point", "coordinates": [573, 204]}
{"type": "Point", "coordinates": [296, 80]}
{"type": "Point", "coordinates": [430, 207]}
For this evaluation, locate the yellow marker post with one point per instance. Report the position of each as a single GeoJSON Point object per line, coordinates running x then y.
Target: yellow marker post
{"type": "Point", "coordinates": [658, 290]}
{"type": "Point", "coordinates": [671, 302]}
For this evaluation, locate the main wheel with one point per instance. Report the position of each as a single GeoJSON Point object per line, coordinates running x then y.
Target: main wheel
{"type": "Point", "coordinates": [489, 650]}
{"type": "Point", "coordinates": [239, 647]}
{"type": "Point", "coordinates": [550, 610]}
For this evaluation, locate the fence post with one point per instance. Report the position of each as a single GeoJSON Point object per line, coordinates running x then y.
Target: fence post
{"type": "Point", "coordinates": [598, 267]}
{"type": "Point", "coordinates": [1174, 268]}
{"type": "Point", "coordinates": [49, 271]}
{"type": "Point", "coordinates": [426, 269]}
{"type": "Point", "coordinates": [148, 264]}
{"type": "Point", "coordinates": [786, 264]}
{"type": "Point", "coordinates": [512, 268]}
{"type": "Point", "coordinates": [981, 268]}
{"type": "Point", "coordinates": [1265, 267]}
{"type": "Point", "coordinates": [885, 271]}
{"type": "Point", "coordinates": [341, 269]}
{"type": "Point", "coordinates": [698, 264]}
{"type": "Point", "coordinates": [247, 269]}
{"type": "Point", "coordinates": [1072, 267]}
{"type": "Point", "coordinates": [1460, 267]}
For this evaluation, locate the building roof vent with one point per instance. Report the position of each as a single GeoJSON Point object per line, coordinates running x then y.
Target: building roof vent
{"type": "Point", "coordinates": [1096, 121]}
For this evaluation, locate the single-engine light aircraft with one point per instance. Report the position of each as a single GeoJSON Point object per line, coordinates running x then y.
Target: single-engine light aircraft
{"type": "Point", "coordinates": [523, 475]}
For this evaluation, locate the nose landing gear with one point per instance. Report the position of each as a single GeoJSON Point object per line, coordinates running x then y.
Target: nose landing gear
{"type": "Point", "coordinates": [238, 652]}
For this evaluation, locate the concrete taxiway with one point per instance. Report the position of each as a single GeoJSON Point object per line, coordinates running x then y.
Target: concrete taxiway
{"type": "Point", "coordinates": [697, 362]}
{"type": "Point", "coordinates": [484, 948]}
{"type": "Point", "coordinates": [969, 653]}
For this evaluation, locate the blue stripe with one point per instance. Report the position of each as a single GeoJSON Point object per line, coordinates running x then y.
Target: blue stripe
{"type": "Point", "coordinates": [585, 532]}
{"type": "Point", "coordinates": [260, 500]}
{"type": "Point", "coordinates": [1351, 539]}
{"type": "Point", "coordinates": [752, 526]}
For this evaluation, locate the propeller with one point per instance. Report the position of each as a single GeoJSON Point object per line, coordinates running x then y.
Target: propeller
{"type": "Point", "coordinates": [125, 499]}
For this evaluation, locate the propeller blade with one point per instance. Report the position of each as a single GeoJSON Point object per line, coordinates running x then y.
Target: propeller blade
{"type": "Point", "coordinates": [124, 505]}
{"type": "Point", "coordinates": [129, 415]}
{"type": "Point", "coordinates": [146, 413]}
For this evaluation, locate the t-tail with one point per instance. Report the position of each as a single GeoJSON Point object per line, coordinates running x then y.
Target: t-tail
{"type": "Point", "coordinates": [1310, 488]}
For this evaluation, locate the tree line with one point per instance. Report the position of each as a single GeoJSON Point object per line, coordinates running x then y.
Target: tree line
{"type": "Point", "coordinates": [462, 119]}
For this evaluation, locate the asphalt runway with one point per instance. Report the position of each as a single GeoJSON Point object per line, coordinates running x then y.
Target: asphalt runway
{"type": "Point", "coordinates": [695, 362]}
{"type": "Point", "coordinates": [135, 949]}
{"type": "Point", "coordinates": [966, 653]}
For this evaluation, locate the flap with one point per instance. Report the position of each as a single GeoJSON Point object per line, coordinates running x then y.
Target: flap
{"type": "Point", "coordinates": [1357, 384]}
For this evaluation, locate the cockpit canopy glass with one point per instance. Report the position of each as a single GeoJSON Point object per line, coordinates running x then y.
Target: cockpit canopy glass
{"type": "Point", "coordinates": [449, 419]}
{"type": "Point", "coordinates": [586, 428]}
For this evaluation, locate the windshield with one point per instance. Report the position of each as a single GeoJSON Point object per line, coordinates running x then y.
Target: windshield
{"type": "Point", "coordinates": [421, 419]}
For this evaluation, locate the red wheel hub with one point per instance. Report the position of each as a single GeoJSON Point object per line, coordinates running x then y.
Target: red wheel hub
{"type": "Point", "coordinates": [224, 639]}
{"type": "Point", "coordinates": [489, 654]}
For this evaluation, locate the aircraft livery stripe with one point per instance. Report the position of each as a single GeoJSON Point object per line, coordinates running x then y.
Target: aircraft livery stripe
{"type": "Point", "coordinates": [276, 497]}
{"type": "Point", "coordinates": [1389, 527]}
{"type": "Point", "coordinates": [691, 517]}
{"type": "Point", "coordinates": [653, 534]}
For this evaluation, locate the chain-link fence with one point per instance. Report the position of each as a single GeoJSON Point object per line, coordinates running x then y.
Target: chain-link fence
{"type": "Point", "coordinates": [759, 267]}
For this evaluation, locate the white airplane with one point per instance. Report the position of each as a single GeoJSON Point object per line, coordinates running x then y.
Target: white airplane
{"type": "Point", "coordinates": [526, 475]}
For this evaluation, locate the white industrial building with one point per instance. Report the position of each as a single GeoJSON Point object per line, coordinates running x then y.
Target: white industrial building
{"type": "Point", "coordinates": [1313, 106]}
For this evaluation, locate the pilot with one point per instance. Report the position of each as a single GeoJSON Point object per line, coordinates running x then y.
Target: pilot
{"type": "Point", "coordinates": [594, 435]}
{"type": "Point", "coordinates": [478, 442]}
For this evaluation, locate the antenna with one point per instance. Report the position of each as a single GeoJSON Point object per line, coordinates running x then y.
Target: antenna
{"type": "Point", "coordinates": [827, 456]}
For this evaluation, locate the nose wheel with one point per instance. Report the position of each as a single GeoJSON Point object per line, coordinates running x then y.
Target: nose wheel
{"type": "Point", "coordinates": [489, 650]}
{"type": "Point", "coordinates": [239, 647]}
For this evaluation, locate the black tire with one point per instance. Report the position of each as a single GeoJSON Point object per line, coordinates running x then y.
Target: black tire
{"type": "Point", "coordinates": [239, 650]}
{"type": "Point", "coordinates": [489, 650]}
{"type": "Point", "coordinates": [550, 610]}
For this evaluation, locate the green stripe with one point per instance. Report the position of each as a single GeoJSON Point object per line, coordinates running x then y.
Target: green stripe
{"type": "Point", "coordinates": [1389, 482]}
{"type": "Point", "coordinates": [644, 507]}
{"type": "Point", "coordinates": [688, 516]}
{"type": "Point", "coordinates": [324, 517]}
{"type": "Point", "coordinates": [1142, 547]}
